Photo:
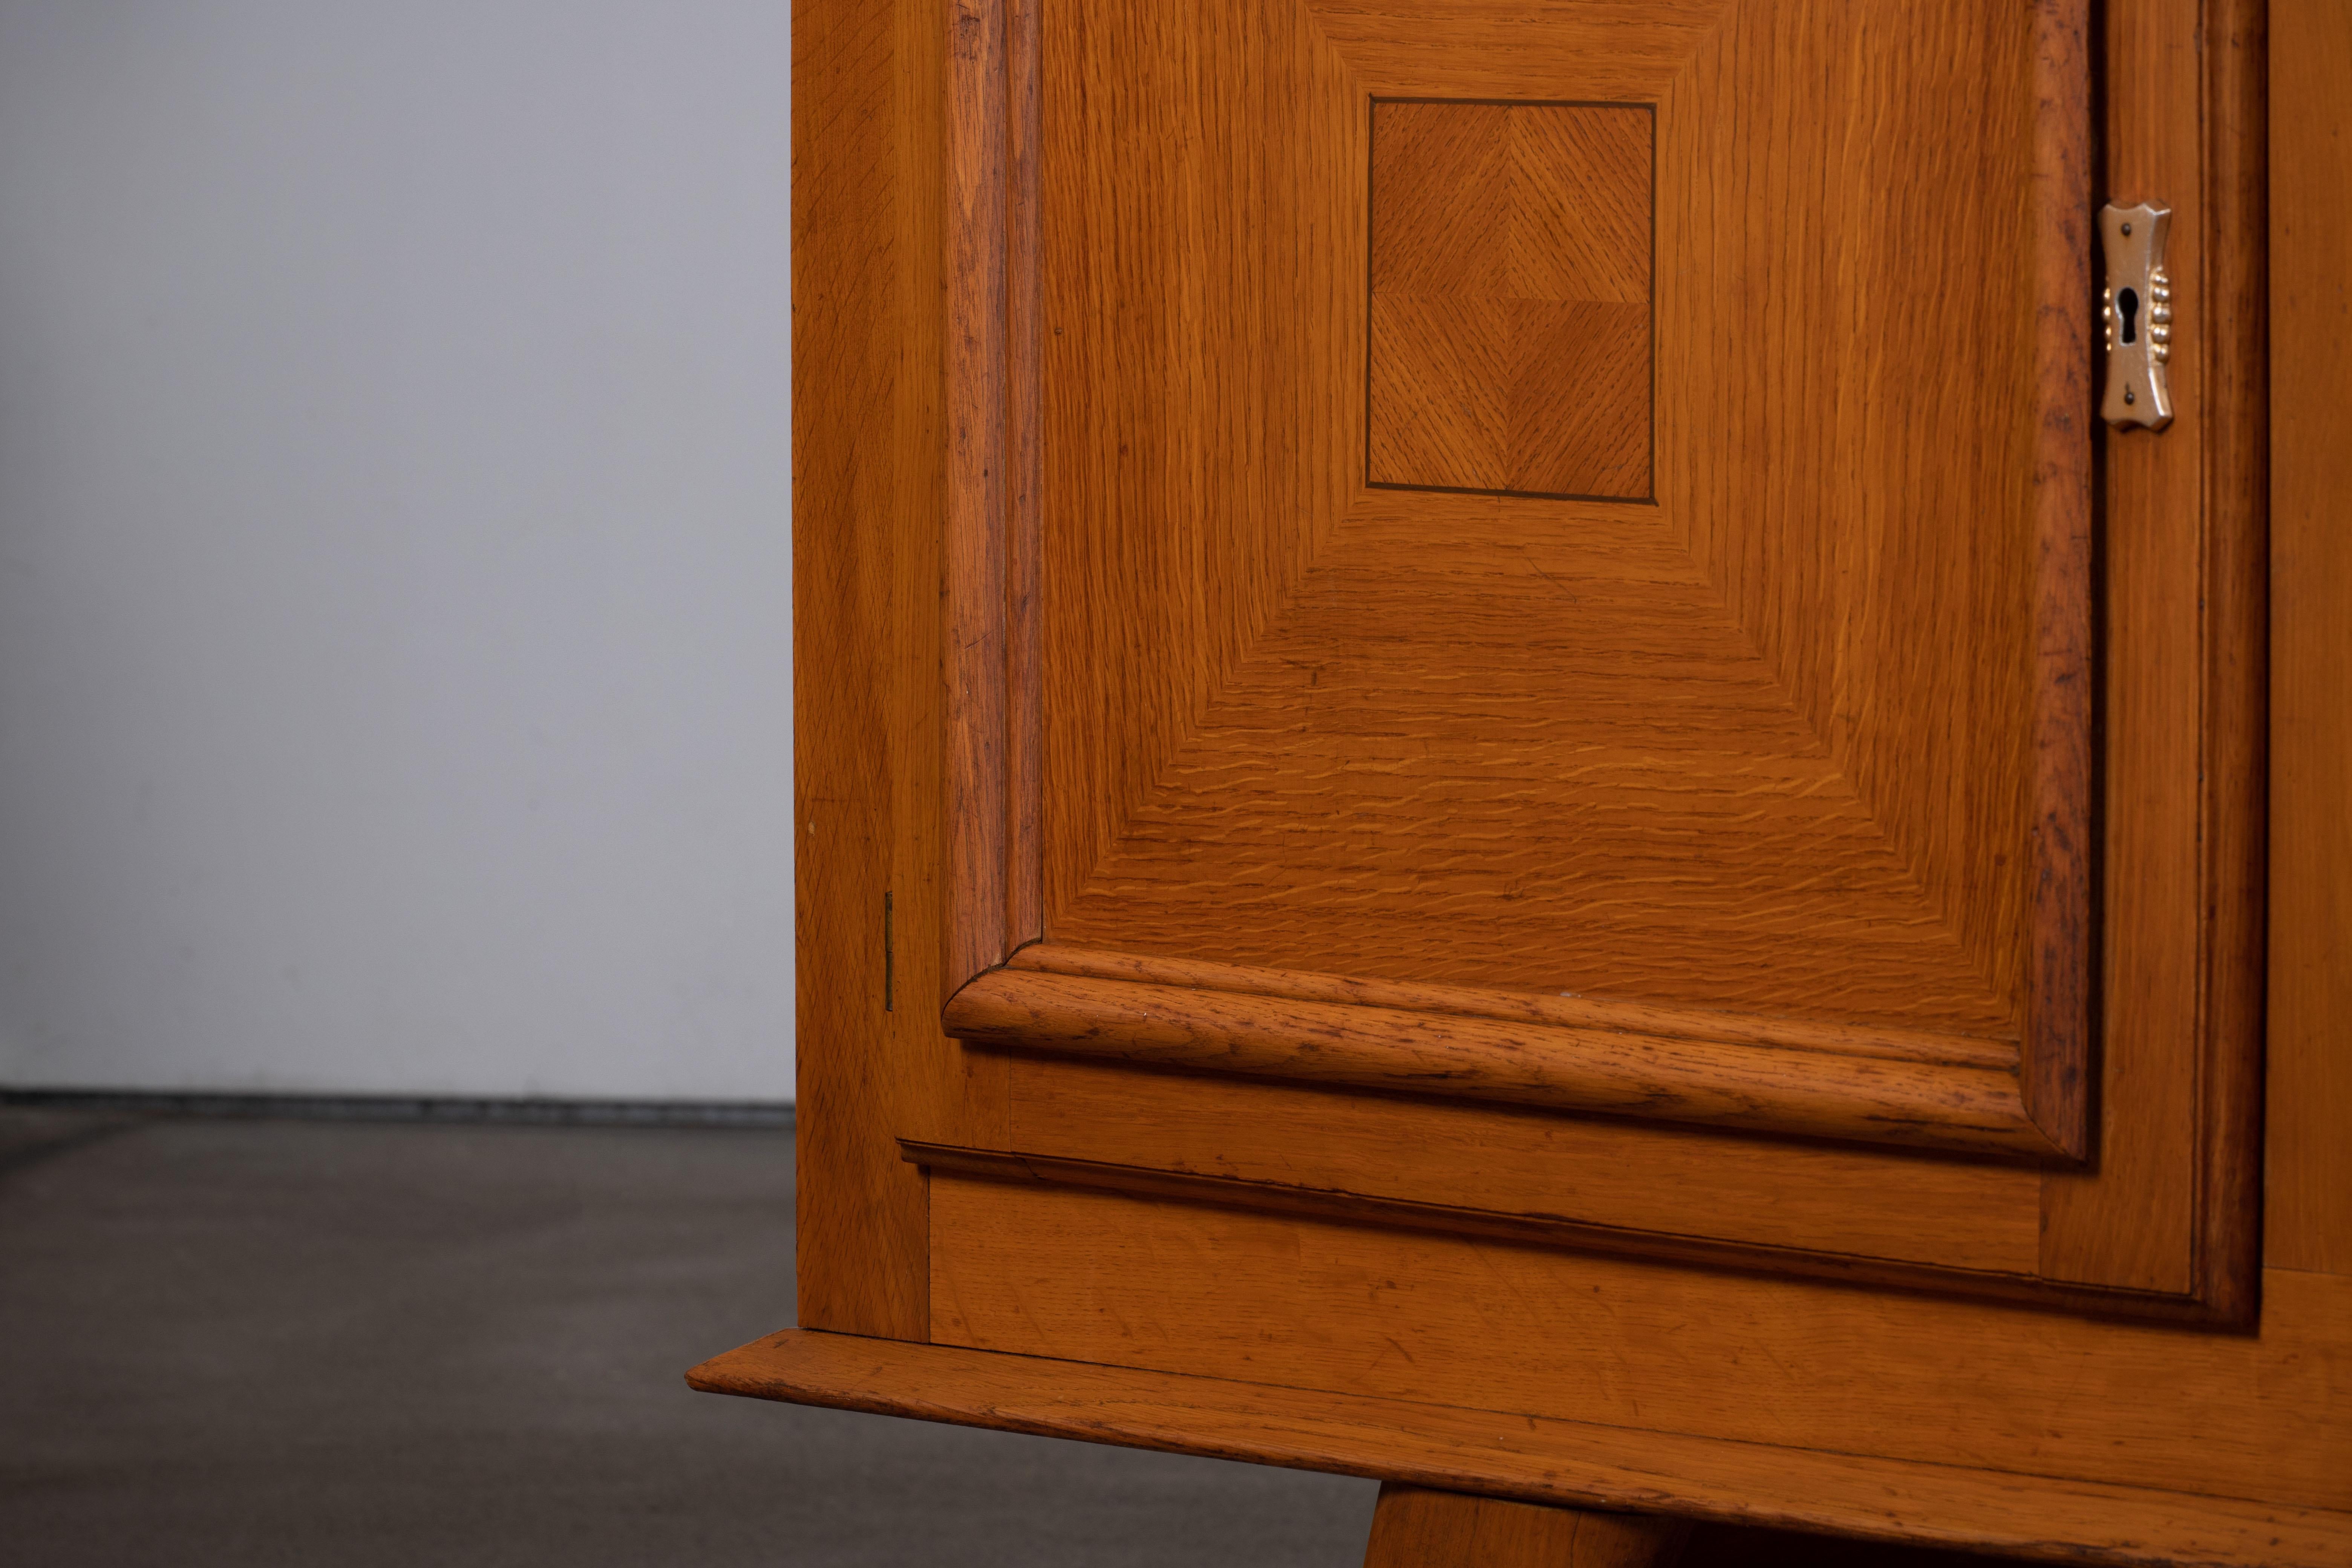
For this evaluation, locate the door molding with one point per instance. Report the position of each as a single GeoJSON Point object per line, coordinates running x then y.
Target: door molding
{"type": "Point", "coordinates": [1911, 1089]}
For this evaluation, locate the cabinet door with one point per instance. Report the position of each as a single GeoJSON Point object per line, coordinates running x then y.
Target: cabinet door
{"type": "Point", "coordinates": [1541, 637]}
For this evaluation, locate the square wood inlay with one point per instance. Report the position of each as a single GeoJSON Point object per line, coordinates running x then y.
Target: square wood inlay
{"type": "Point", "coordinates": [1510, 298]}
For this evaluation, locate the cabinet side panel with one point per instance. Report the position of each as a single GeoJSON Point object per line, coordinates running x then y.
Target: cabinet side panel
{"type": "Point", "coordinates": [868, 488]}
{"type": "Point", "coordinates": [2309, 1193]}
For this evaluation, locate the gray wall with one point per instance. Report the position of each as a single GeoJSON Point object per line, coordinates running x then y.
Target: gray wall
{"type": "Point", "coordinates": [394, 546]}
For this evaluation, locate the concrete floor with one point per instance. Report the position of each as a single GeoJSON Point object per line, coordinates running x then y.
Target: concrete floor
{"type": "Point", "coordinates": [335, 1342]}
{"type": "Point", "coordinates": [262, 1342]}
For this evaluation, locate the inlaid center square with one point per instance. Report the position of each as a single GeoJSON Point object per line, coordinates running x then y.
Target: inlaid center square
{"type": "Point", "coordinates": [1510, 298]}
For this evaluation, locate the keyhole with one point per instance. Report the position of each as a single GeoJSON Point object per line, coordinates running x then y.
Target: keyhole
{"type": "Point", "coordinates": [2127, 307]}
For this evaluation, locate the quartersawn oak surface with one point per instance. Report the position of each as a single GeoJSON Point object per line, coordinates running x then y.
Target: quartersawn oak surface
{"type": "Point", "coordinates": [2182, 718]}
{"type": "Point", "coordinates": [1089, 1275]}
{"type": "Point", "coordinates": [867, 261]}
{"type": "Point", "coordinates": [872, 241]}
{"type": "Point", "coordinates": [1630, 1176]}
{"type": "Point", "coordinates": [2308, 1196]}
{"type": "Point", "coordinates": [867, 493]}
{"type": "Point", "coordinates": [1540, 1460]}
{"type": "Point", "coordinates": [1768, 746]}
{"type": "Point", "coordinates": [1625, 1071]}
{"type": "Point", "coordinates": [1699, 1245]}
{"type": "Point", "coordinates": [1510, 298]}
{"type": "Point", "coordinates": [2167, 1216]}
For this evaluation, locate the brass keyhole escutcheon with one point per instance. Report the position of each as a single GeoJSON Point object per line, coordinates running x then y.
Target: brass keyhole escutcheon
{"type": "Point", "coordinates": [2137, 309]}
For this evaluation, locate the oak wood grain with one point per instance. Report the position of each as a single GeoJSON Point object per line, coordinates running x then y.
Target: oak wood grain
{"type": "Point", "coordinates": [1362, 799]}
{"type": "Point", "coordinates": [1929, 1105]}
{"type": "Point", "coordinates": [2183, 698]}
{"type": "Point", "coordinates": [1370, 768]}
{"type": "Point", "coordinates": [2126, 1222]}
{"type": "Point", "coordinates": [1202, 267]}
{"type": "Point", "coordinates": [867, 491]}
{"type": "Point", "coordinates": [1510, 331]}
{"type": "Point", "coordinates": [2236, 695]}
{"type": "Point", "coordinates": [1025, 759]}
{"type": "Point", "coordinates": [1632, 1181]}
{"type": "Point", "coordinates": [2308, 1195]}
{"type": "Point", "coordinates": [1246, 635]}
{"type": "Point", "coordinates": [978, 529]}
{"type": "Point", "coordinates": [1538, 1458]}
{"type": "Point", "coordinates": [1092, 1276]}
{"type": "Point", "coordinates": [1899, 759]}
{"type": "Point", "coordinates": [2058, 1065]}
{"type": "Point", "coordinates": [1699, 1248]}
{"type": "Point", "coordinates": [1420, 1527]}
{"type": "Point", "coordinates": [1564, 1011]}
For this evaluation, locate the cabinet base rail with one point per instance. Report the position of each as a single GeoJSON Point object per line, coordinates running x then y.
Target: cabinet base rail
{"type": "Point", "coordinates": [1563, 1463]}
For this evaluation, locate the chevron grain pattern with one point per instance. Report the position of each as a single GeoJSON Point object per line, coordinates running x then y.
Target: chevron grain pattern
{"type": "Point", "coordinates": [1765, 746]}
{"type": "Point", "coordinates": [1510, 298]}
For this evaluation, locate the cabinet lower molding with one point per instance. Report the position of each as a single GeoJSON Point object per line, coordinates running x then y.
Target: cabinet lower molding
{"type": "Point", "coordinates": [1539, 1459]}
{"type": "Point", "coordinates": [1558, 1231]}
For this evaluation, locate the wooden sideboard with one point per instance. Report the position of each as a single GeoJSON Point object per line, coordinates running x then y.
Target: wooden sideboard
{"type": "Point", "coordinates": [1500, 785]}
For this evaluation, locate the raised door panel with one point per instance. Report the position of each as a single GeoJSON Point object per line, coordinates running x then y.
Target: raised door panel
{"type": "Point", "coordinates": [1763, 742]}
{"type": "Point", "coordinates": [1533, 563]}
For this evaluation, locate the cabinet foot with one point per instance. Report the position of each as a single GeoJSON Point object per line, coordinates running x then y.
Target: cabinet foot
{"type": "Point", "coordinates": [1414, 1527]}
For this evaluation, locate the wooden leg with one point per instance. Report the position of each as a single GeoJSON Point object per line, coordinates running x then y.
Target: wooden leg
{"type": "Point", "coordinates": [1414, 1527]}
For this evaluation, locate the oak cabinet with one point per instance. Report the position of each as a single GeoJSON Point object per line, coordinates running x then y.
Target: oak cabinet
{"type": "Point", "coordinates": [1501, 784]}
